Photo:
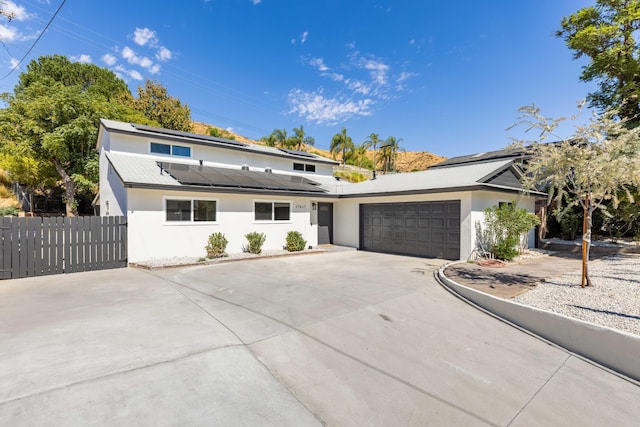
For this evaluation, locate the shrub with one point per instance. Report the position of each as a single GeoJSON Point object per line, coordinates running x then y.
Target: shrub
{"type": "Point", "coordinates": [295, 242]}
{"type": "Point", "coordinates": [256, 240]}
{"type": "Point", "coordinates": [505, 224]}
{"type": "Point", "coordinates": [9, 211]}
{"type": "Point", "coordinates": [216, 245]}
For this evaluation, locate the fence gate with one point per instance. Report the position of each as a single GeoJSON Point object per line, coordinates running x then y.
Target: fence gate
{"type": "Point", "coordinates": [41, 246]}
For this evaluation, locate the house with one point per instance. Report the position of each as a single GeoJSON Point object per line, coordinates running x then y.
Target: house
{"type": "Point", "coordinates": [177, 188]}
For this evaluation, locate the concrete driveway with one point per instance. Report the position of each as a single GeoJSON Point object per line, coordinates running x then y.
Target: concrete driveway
{"type": "Point", "coordinates": [347, 338]}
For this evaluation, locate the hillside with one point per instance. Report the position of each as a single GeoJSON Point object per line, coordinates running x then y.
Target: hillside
{"type": "Point", "coordinates": [407, 162]}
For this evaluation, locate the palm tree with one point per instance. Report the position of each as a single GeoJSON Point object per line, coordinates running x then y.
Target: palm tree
{"type": "Point", "coordinates": [280, 136]}
{"type": "Point", "coordinates": [373, 141]}
{"type": "Point", "coordinates": [389, 153]}
{"type": "Point", "coordinates": [299, 138]}
{"type": "Point", "coordinates": [341, 142]}
{"type": "Point", "coordinates": [360, 153]}
{"type": "Point", "coordinates": [269, 140]}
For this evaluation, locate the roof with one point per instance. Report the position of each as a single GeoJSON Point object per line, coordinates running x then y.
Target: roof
{"type": "Point", "coordinates": [500, 175]}
{"type": "Point", "coordinates": [141, 171]}
{"type": "Point", "coordinates": [208, 141]}
{"type": "Point", "coordinates": [138, 171]}
{"type": "Point", "coordinates": [489, 156]}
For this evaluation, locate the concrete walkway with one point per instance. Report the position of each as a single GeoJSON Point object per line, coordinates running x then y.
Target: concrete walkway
{"type": "Point", "coordinates": [346, 338]}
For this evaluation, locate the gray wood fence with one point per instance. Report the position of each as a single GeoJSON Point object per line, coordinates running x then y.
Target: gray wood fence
{"type": "Point", "coordinates": [42, 246]}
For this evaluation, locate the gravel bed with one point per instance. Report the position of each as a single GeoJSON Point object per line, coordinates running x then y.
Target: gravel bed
{"type": "Point", "coordinates": [153, 263]}
{"type": "Point", "coordinates": [613, 300]}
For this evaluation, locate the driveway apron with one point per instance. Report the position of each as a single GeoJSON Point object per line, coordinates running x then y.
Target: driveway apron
{"type": "Point", "coordinates": [349, 338]}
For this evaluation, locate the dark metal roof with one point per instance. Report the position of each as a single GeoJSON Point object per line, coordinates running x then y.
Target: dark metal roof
{"type": "Point", "coordinates": [507, 153]}
{"type": "Point", "coordinates": [207, 176]}
{"type": "Point", "coordinates": [298, 153]}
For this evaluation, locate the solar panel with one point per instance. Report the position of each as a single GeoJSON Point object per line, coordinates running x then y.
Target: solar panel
{"type": "Point", "coordinates": [188, 135]}
{"type": "Point", "coordinates": [235, 178]}
{"type": "Point", "coordinates": [298, 153]}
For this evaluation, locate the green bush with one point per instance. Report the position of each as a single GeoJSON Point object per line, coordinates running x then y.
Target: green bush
{"type": "Point", "coordinates": [295, 242]}
{"type": "Point", "coordinates": [9, 211]}
{"type": "Point", "coordinates": [216, 245]}
{"type": "Point", "coordinates": [256, 240]}
{"type": "Point", "coordinates": [505, 249]}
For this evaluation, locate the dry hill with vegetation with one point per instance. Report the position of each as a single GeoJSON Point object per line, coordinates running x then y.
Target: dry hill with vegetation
{"type": "Point", "coordinates": [409, 161]}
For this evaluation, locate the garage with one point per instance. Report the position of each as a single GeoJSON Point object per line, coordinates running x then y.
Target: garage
{"type": "Point", "coordinates": [424, 229]}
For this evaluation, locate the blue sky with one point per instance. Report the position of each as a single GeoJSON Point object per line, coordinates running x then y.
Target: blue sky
{"type": "Point", "coordinates": [446, 77]}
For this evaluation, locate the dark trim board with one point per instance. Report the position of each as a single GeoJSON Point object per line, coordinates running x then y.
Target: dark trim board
{"type": "Point", "coordinates": [423, 229]}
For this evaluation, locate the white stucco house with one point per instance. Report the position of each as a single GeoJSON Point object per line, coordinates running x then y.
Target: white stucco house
{"type": "Point", "coordinates": [177, 188]}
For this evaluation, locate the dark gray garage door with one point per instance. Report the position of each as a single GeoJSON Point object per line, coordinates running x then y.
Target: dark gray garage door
{"type": "Point", "coordinates": [425, 229]}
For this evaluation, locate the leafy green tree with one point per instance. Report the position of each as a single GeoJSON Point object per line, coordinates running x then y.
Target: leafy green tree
{"type": "Point", "coordinates": [270, 140]}
{"type": "Point", "coordinates": [605, 33]}
{"type": "Point", "coordinates": [156, 104]}
{"type": "Point", "coordinates": [300, 138]}
{"type": "Point", "coordinates": [342, 143]}
{"type": "Point", "coordinates": [51, 123]}
{"type": "Point", "coordinates": [389, 153]}
{"type": "Point", "coordinates": [505, 228]}
{"type": "Point", "coordinates": [587, 169]}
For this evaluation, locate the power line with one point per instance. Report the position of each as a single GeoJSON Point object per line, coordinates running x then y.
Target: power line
{"type": "Point", "coordinates": [36, 41]}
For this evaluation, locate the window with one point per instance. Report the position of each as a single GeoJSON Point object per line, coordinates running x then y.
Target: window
{"type": "Point", "coordinates": [272, 211]}
{"type": "Point", "coordinates": [304, 167]}
{"type": "Point", "coordinates": [160, 148]}
{"type": "Point", "coordinates": [190, 210]}
{"type": "Point", "coordinates": [167, 149]}
{"type": "Point", "coordinates": [204, 210]}
{"type": "Point", "coordinates": [179, 150]}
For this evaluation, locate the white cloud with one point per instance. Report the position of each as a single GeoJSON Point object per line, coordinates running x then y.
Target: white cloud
{"type": "Point", "coordinates": [377, 69]}
{"type": "Point", "coordinates": [314, 107]}
{"type": "Point", "coordinates": [319, 64]}
{"type": "Point", "coordinates": [293, 41]}
{"type": "Point", "coordinates": [123, 72]}
{"type": "Point", "coordinates": [8, 34]}
{"type": "Point", "coordinates": [358, 86]}
{"type": "Point", "coordinates": [19, 12]}
{"type": "Point", "coordinates": [13, 63]}
{"type": "Point", "coordinates": [144, 36]}
{"type": "Point", "coordinates": [304, 36]}
{"type": "Point", "coordinates": [109, 59]}
{"type": "Point", "coordinates": [336, 76]}
{"type": "Point", "coordinates": [163, 54]}
{"type": "Point", "coordinates": [132, 58]}
{"type": "Point", "coordinates": [83, 59]}
{"type": "Point", "coordinates": [405, 75]}
{"type": "Point", "coordinates": [154, 69]}
{"type": "Point", "coordinates": [256, 1]}
{"type": "Point", "coordinates": [412, 41]}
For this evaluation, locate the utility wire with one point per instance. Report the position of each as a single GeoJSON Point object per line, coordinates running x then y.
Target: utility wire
{"type": "Point", "coordinates": [36, 41]}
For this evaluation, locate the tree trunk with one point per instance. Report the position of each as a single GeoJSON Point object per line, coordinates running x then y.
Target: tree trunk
{"type": "Point", "coordinates": [69, 188]}
{"type": "Point", "coordinates": [586, 243]}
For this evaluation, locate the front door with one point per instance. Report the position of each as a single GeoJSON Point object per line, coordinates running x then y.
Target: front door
{"type": "Point", "coordinates": [325, 223]}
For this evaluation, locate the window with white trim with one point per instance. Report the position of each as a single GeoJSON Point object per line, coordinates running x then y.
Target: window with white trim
{"type": "Point", "coordinates": [194, 210]}
{"type": "Point", "coordinates": [169, 149]}
{"type": "Point", "coordinates": [272, 211]}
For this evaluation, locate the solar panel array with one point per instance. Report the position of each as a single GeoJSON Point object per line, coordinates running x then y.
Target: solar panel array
{"type": "Point", "coordinates": [298, 153]}
{"type": "Point", "coordinates": [237, 178]}
{"type": "Point", "coordinates": [188, 135]}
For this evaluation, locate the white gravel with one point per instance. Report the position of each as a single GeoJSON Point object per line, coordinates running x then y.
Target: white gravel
{"type": "Point", "coordinates": [182, 261]}
{"type": "Point", "coordinates": [613, 300]}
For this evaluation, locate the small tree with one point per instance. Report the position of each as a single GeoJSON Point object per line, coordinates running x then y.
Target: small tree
{"type": "Point", "coordinates": [586, 169]}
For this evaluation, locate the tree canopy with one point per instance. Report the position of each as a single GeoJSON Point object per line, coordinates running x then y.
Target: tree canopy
{"type": "Point", "coordinates": [156, 104]}
{"type": "Point", "coordinates": [591, 167]}
{"type": "Point", "coordinates": [341, 143]}
{"type": "Point", "coordinates": [605, 33]}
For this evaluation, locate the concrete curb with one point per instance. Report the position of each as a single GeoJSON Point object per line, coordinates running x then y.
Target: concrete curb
{"type": "Point", "coordinates": [613, 349]}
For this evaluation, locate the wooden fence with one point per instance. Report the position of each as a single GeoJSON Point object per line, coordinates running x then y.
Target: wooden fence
{"type": "Point", "coordinates": [42, 246]}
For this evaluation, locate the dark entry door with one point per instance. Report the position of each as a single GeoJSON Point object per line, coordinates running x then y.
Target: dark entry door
{"type": "Point", "coordinates": [425, 229]}
{"type": "Point", "coordinates": [325, 223]}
